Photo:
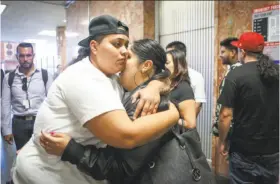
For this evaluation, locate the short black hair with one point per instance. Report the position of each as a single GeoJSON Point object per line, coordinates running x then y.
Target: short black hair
{"type": "Point", "coordinates": [25, 44]}
{"type": "Point", "coordinates": [178, 46]}
{"type": "Point", "coordinates": [227, 43]}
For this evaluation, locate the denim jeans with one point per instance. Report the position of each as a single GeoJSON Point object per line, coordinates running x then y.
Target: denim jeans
{"type": "Point", "coordinates": [22, 131]}
{"type": "Point", "coordinates": [262, 169]}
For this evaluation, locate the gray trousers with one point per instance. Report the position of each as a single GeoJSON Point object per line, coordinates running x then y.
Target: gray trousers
{"type": "Point", "coordinates": [22, 131]}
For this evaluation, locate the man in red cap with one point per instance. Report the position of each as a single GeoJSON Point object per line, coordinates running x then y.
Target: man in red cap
{"type": "Point", "coordinates": [251, 98]}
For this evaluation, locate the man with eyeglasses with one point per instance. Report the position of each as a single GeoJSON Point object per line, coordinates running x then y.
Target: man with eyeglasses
{"type": "Point", "coordinates": [24, 89]}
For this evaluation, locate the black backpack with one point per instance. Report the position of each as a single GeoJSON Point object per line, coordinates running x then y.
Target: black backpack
{"type": "Point", "coordinates": [44, 76]}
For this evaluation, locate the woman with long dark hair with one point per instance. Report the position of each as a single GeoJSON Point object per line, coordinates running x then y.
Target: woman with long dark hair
{"type": "Point", "coordinates": [181, 90]}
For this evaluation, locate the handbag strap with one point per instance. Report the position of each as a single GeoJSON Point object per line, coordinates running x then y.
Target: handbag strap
{"type": "Point", "coordinates": [182, 128]}
{"type": "Point", "coordinates": [195, 171]}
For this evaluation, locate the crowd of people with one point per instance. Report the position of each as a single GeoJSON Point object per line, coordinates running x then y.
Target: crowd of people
{"type": "Point", "coordinates": [112, 114]}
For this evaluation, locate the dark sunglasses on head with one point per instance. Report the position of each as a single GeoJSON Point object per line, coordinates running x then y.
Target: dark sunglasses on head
{"type": "Point", "coordinates": [24, 84]}
{"type": "Point", "coordinates": [25, 55]}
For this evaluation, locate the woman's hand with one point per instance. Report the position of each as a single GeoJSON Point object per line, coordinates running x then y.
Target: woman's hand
{"type": "Point", "coordinates": [149, 99]}
{"type": "Point", "coordinates": [54, 143]}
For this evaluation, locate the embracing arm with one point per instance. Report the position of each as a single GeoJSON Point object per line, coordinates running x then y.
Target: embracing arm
{"type": "Point", "coordinates": [116, 129]}
{"type": "Point", "coordinates": [98, 163]}
{"type": "Point", "coordinates": [88, 159]}
{"type": "Point", "coordinates": [102, 113]}
{"type": "Point", "coordinates": [150, 97]}
{"type": "Point", "coordinates": [101, 163]}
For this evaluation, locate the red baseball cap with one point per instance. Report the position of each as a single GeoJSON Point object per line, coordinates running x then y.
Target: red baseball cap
{"type": "Point", "coordinates": [250, 41]}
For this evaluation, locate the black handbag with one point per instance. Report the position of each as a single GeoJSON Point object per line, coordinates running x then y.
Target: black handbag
{"type": "Point", "coordinates": [179, 161]}
{"type": "Point", "coordinates": [174, 158]}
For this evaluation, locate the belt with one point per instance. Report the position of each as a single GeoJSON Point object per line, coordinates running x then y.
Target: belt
{"type": "Point", "coordinates": [25, 117]}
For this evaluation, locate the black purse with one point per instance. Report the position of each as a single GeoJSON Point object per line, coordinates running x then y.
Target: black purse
{"type": "Point", "coordinates": [175, 158]}
{"type": "Point", "coordinates": [179, 161]}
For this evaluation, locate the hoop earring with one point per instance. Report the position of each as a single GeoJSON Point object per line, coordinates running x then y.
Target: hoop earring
{"type": "Point", "coordinates": [134, 79]}
{"type": "Point", "coordinates": [144, 75]}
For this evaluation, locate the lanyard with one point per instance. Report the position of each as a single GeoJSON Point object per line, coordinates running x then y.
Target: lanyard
{"type": "Point", "coordinates": [27, 85]}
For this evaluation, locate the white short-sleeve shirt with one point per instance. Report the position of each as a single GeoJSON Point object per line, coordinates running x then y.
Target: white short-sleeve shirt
{"type": "Point", "coordinates": [79, 94]}
{"type": "Point", "coordinates": [197, 84]}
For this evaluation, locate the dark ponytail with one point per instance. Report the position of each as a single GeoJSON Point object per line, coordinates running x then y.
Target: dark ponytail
{"type": "Point", "coordinates": [269, 71]}
{"type": "Point", "coordinates": [82, 53]}
{"type": "Point", "coordinates": [160, 74]}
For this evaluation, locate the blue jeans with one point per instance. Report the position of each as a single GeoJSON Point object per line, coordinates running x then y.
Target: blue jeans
{"type": "Point", "coordinates": [263, 169]}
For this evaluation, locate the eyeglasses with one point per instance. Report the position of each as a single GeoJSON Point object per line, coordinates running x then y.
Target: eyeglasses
{"type": "Point", "coordinates": [21, 56]}
{"type": "Point", "coordinates": [24, 84]}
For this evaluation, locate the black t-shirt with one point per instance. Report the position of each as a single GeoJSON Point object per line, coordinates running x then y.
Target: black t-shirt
{"type": "Point", "coordinates": [182, 92]}
{"type": "Point", "coordinates": [255, 111]}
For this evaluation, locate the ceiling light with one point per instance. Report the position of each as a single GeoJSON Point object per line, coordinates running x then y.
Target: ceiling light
{"type": "Point", "coordinates": [47, 33]}
{"type": "Point", "coordinates": [36, 41]}
{"type": "Point", "coordinates": [2, 8]}
{"type": "Point", "coordinates": [71, 34]}
{"type": "Point", "coordinates": [64, 20]}
{"type": "Point", "coordinates": [85, 22]}
{"type": "Point", "coordinates": [53, 33]}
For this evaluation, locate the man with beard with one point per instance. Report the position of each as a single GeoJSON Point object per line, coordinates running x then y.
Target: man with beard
{"type": "Point", "coordinates": [229, 57]}
{"type": "Point", "coordinates": [24, 89]}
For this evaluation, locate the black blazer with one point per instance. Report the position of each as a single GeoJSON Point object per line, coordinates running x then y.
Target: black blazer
{"type": "Point", "coordinates": [119, 166]}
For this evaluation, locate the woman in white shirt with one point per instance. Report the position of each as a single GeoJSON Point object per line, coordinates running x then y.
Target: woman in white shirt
{"type": "Point", "coordinates": [85, 103]}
